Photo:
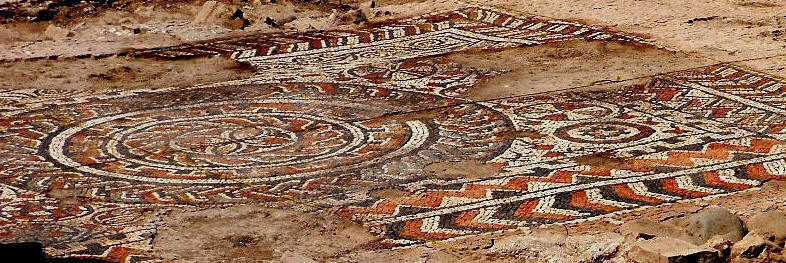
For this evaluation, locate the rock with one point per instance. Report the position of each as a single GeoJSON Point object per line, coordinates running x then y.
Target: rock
{"type": "Point", "coordinates": [594, 248]}
{"type": "Point", "coordinates": [648, 229]}
{"type": "Point", "coordinates": [533, 241]}
{"type": "Point", "coordinates": [553, 245]}
{"type": "Point", "coordinates": [210, 10]}
{"type": "Point", "coordinates": [56, 33]}
{"type": "Point", "coordinates": [771, 225]}
{"type": "Point", "coordinates": [715, 221]}
{"type": "Point", "coordinates": [672, 250]}
{"type": "Point", "coordinates": [750, 247]}
{"type": "Point", "coordinates": [721, 244]}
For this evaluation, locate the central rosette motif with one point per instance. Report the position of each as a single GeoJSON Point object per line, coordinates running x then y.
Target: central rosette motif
{"type": "Point", "coordinates": [609, 132]}
{"type": "Point", "coordinates": [221, 137]}
{"type": "Point", "coordinates": [238, 140]}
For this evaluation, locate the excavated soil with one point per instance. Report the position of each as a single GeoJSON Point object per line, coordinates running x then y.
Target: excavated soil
{"type": "Point", "coordinates": [568, 64]}
{"type": "Point", "coordinates": [118, 73]}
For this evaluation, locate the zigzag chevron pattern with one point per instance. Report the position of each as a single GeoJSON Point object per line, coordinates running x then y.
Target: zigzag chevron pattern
{"type": "Point", "coordinates": [489, 190]}
{"type": "Point", "coordinates": [585, 203]}
{"type": "Point", "coordinates": [664, 171]}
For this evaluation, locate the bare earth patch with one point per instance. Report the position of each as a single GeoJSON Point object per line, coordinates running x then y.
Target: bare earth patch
{"type": "Point", "coordinates": [456, 170]}
{"type": "Point", "coordinates": [575, 63]}
{"type": "Point", "coordinates": [118, 73]}
{"type": "Point", "coordinates": [252, 233]}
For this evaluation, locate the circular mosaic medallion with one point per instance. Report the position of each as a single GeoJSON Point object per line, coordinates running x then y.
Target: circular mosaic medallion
{"type": "Point", "coordinates": [610, 132]}
{"type": "Point", "coordinates": [195, 143]}
{"type": "Point", "coordinates": [264, 133]}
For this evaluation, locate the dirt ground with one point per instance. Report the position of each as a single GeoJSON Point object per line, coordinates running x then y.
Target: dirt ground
{"type": "Point", "coordinates": [118, 73]}
{"type": "Point", "coordinates": [67, 52]}
{"type": "Point", "coordinates": [577, 63]}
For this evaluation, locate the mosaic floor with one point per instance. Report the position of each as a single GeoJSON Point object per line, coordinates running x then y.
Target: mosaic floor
{"type": "Point", "coordinates": [327, 120]}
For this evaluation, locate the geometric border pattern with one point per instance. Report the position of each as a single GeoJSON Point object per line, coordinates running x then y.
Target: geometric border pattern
{"type": "Point", "coordinates": [705, 156]}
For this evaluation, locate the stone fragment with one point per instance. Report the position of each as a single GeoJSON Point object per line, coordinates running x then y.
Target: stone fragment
{"type": "Point", "coordinates": [721, 244]}
{"type": "Point", "coordinates": [715, 221]}
{"type": "Point", "coordinates": [671, 250]}
{"type": "Point", "coordinates": [594, 248]}
{"type": "Point", "coordinates": [555, 246]}
{"type": "Point", "coordinates": [771, 225]}
{"type": "Point", "coordinates": [648, 229]}
{"type": "Point", "coordinates": [750, 247]}
{"type": "Point", "coordinates": [540, 239]}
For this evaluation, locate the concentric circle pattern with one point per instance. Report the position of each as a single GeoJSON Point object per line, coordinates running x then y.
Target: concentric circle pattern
{"type": "Point", "coordinates": [263, 138]}
{"type": "Point", "coordinates": [604, 132]}
{"type": "Point", "coordinates": [259, 133]}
